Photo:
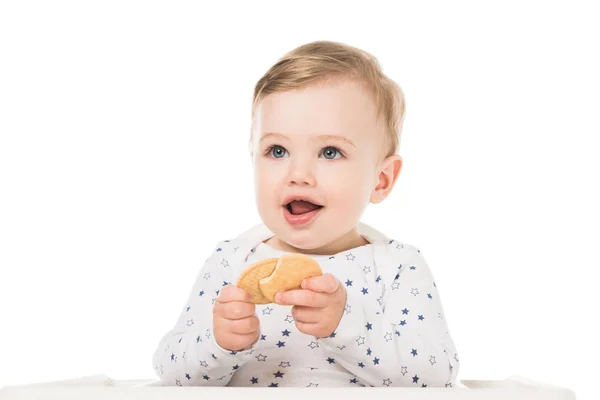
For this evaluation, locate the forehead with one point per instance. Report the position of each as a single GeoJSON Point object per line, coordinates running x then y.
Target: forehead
{"type": "Point", "coordinates": [338, 108]}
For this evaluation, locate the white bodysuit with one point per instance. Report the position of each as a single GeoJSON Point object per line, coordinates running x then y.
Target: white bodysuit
{"type": "Point", "coordinates": [392, 333]}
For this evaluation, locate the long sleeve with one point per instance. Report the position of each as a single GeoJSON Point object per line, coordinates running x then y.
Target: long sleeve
{"type": "Point", "coordinates": [396, 336]}
{"type": "Point", "coordinates": [188, 354]}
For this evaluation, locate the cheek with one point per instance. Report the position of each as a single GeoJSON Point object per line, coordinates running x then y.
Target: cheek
{"type": "Point", "coordinates": [348, 187]}
{"type": "Point", "coordinates": [266, 179]}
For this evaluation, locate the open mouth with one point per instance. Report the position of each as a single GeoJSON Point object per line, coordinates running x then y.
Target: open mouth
{"type": "Point", "coordinates": [299, 207]}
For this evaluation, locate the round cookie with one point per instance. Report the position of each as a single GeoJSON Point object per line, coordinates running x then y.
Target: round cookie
{"type": "Point", "coordinates": [249, 279]}
{"type": "Point", "coordinates": [290, 271]}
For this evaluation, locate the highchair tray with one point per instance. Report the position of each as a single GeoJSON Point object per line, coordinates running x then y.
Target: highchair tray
{"type": "Point", "coordinates": [102, 387]}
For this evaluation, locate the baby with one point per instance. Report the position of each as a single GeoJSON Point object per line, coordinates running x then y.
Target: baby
{"type": "Point", "coordinates": [324, 141]}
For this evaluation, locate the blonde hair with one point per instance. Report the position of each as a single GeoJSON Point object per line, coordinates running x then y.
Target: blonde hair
{"type": "Point", "coordinates": [324, 61]}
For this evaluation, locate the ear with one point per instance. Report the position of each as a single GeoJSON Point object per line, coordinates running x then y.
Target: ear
{"type": "Point", "coordinates": [389, 171]}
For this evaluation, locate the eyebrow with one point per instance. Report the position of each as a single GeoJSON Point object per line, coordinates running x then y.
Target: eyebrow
{"type": "Point", "coordinates": [337, 138]}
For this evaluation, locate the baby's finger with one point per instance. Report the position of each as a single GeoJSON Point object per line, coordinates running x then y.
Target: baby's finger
{"type": "Point", "coordinates": [302, 298]}
{"type": "Point", "coordinates": [306, 314]}
{"type": "Point", "coordinates": [236, 309]}
{"type": "Point", "coordinates": [326, 283]}
{"type": "Point", "coordinates": [244, 326]}
{"type": "Point", "coordinates": [232, 293]}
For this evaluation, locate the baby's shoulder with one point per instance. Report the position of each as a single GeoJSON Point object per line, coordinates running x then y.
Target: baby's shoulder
{"type": "Point", "coordinates": [393, 256]}
{"type": "Point", "coordinates": [233, 246]}
{"type": "Point", "coordinates": [397, 249]}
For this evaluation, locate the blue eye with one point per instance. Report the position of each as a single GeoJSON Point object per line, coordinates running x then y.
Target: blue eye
{"type": "Point", "coordinates": [276, 151]}
{"type": "Point", "coordinates": [330, 152]}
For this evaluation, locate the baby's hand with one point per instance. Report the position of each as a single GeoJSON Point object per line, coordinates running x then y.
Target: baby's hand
{"type": "Point", "coordinates": [236, 326]}
{"type": "Point", "coordinates": [318, 307]}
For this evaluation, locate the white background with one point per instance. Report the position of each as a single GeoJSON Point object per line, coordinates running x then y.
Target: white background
{"type": "Point", "coordinates": [123, 160]}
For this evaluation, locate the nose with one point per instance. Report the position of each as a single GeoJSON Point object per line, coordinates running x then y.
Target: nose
{"type": "Point", "coordinates": [300, 173]}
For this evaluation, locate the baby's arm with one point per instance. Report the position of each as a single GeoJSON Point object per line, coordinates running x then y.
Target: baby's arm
{"type": "Point", "coordinates": [188, 355]}
{"type": "Point", "coordinates": [402, 342]}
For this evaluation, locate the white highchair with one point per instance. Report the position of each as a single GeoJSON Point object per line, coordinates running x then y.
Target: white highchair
{"type": "Point", "coordinates": [102, 387]}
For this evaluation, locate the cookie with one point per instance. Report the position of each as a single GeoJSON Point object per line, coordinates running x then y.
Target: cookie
{"type": "Point", "coordinates": [249, 279]}
{"type": "Point", "coordinates": [264, 279]}
{"type": "Point", "coordinates": [290, 271]}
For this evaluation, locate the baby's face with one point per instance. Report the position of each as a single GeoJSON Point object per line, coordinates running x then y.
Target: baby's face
{"type": "Point", "coordinates": [321, 144]}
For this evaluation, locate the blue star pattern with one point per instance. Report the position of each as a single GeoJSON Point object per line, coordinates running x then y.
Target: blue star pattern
{"type": "Point", "coordinates": [392, 331]}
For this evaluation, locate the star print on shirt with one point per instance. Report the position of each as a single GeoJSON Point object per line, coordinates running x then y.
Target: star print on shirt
{"type": "Point", "coordinates": [358, 266]}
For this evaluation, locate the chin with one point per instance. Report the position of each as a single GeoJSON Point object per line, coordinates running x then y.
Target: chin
{"type": "Point", "coordinates": [301, 240]}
